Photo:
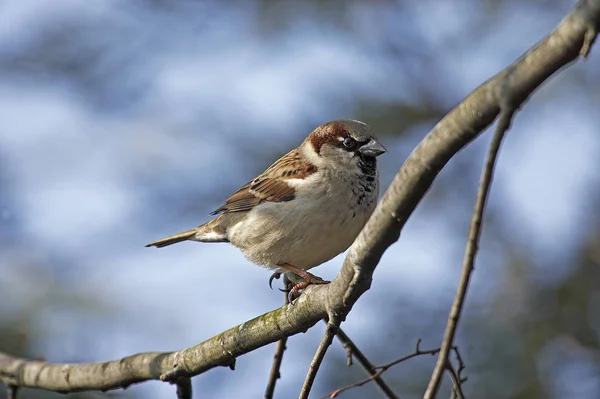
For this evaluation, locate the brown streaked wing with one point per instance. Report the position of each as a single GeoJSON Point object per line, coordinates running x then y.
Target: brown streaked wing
{"type": "Point", "coordinates": [270, 186]}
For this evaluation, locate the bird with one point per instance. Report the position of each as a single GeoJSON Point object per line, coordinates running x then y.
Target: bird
{"type": "Point", "coordinates": [304, 209]}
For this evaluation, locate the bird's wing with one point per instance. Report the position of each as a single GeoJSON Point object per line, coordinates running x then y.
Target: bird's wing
{"type": "Point", "coordinates": [270, 186]}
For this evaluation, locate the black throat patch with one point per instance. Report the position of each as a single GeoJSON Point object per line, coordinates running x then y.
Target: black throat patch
{"type": "Point", "coordinates": [368, 166]}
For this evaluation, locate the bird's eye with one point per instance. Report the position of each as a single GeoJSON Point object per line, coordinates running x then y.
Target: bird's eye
{"type": "Point", "coordinates": [350, 144]}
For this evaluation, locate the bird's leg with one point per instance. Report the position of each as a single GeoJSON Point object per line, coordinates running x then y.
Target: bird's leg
{"type": "Point", "coordinates": [308, 278]}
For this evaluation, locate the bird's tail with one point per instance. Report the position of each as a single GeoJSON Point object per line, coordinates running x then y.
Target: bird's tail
{"type": "Point", "coordinates": [174, 239]}
{"type": "Point", "coordinates": [213, 231]}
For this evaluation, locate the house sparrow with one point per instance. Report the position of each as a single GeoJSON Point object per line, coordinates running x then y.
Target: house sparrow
{"type": "Point", "coordinates": [306, 208]}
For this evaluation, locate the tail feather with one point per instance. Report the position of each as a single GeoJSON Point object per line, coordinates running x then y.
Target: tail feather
{"type": "Point", "coordinates": [213, 231]}
{"type": "Point", "coordinates": [174, 239]}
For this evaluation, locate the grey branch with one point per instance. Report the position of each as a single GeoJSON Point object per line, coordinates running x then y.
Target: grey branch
{"type": "Point", "coordinates": [507, 111]}
{"type": "Point", "coordinates": [379, 370]}
{"type": "Point", "coordinates": [278, 357]}
{"type": "Point", "coordinates": [276, 368]}
{"type": "Point", "coordinates": [573, 37]}
{"type": "Point", "coordinates": [333, 325]}
{"type": "Point", "coordinates": [353, 351]}
{"type": "Point", "coordinates": [456, 375]}
{"type": "Point", "coordinates": [184, 388]}
{"type": "Point", "coordinates": [456, 382]}
{"type": "Point", "coordinates": [11, 391]}
{"type": "Point", "coordinates": [333, 328]}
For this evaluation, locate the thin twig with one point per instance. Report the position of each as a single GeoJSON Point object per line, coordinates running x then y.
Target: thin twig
{"type": "Point", "coordinates": [506, 114]}
{"type": "Point", "coordinates": [330, 331]}
{"type": "Point", "coordinates": [353, 351]}
{"type": "Point", "coordinates": [461, 365]}
{"type": "Point", "coordinates": [456, 382]}
{"type": "Point", "coordinates": [184, 388]}
{"type": "Point", "coordinates": [382, 369]}
{"type": "Point", "coordinates": [456, 375]}
{"type": "Point", "coordinates": [278, 357]}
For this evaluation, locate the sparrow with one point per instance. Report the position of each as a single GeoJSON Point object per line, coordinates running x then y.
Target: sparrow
{"type": "Point", "coordinates": [305, 209]}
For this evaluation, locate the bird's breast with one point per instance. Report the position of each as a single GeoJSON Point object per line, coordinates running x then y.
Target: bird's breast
{"type": "Point", "coordinates": [320, 223]}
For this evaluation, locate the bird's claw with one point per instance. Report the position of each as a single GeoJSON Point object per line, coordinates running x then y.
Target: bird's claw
{"type": "Point", "coordinates": [303, 274]}
{"type": "Point", "coordinates": [275, 275]}
{"type": "Point", "coordinates": [293, 292]}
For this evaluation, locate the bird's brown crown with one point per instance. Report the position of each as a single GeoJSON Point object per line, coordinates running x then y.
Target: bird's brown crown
{"type": "Point", "coordinates": [329, 133]}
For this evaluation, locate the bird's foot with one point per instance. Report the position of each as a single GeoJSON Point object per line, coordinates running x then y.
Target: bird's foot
{"type": "Point", "coordinates": [302, 285]}
{"type": "Point", "coordinates": [308, 278]}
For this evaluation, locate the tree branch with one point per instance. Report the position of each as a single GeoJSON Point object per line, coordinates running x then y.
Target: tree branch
{"type": "Point", "coordinates": [456, 382]}
{"type": "Point", "coordinates": [184, 388]}
{"type": "Point", "coordinates": [504, 121]}
{"type": "Point", "coordinates": [382, 369]}
{"type": "Point", "coordinates": [11, 391]}
{"type": "Point", "coordinates": [456, 375]}
{"type": "Point", "coordinates": [333, 325]}
{"type": "Point", "coordinates": [573, 36]}
{"type": "Point", "coordinates": [353, 350]}
{"type": "Point", "coordinates": [278, 357]}
{"type": "Point", "coordinates": [379, 370]}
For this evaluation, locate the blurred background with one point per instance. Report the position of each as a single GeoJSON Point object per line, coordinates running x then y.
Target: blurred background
{"type": "Point", "coordinates": [124, 122]}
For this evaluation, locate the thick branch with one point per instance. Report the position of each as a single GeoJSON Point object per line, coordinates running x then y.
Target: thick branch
{"type": "Point", "coordinates": [573, 36]}
{"type": "Point", "coordinates": [220, 350]}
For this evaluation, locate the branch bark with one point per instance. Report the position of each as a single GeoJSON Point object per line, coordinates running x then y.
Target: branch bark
{"type": "Point", "coordinates": [278, 357]}
{"type": "Point", "coordinates": [379, 370]}
{"type": "Point", "coordinates": [353, 351]}
{"type": "Point", "coordinates": [184, 388]}
{"type": "Point", "coordinates": [330, 331]}
{"type": "Point", "coordinates": [442, 363]}
{"type": "Point", "coordinates": [574, 36]}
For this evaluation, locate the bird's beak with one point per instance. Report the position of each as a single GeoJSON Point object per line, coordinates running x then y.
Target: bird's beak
{"type": "Point", "coordinates": [372, 149]}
